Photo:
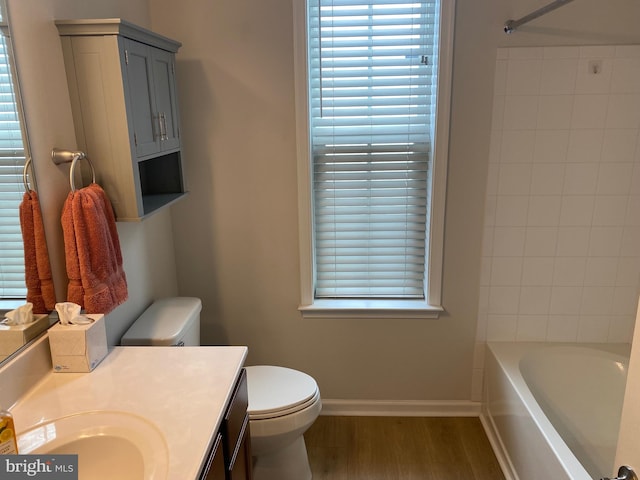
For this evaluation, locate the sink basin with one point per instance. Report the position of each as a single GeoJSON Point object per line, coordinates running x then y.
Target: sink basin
{"type": "Point", "coordinates": [109, 445]}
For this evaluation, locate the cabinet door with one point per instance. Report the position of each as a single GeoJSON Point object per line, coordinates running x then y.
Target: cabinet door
{"type": "Point", "coordinates": [141, 105]}
{"type": "Point", "coordinates": [165, 96]}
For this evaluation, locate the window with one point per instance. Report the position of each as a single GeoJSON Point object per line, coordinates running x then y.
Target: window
{"type": "Point", "coordinates": [12, 159]}
{"type": "Point", "coordinates": [376, 86]}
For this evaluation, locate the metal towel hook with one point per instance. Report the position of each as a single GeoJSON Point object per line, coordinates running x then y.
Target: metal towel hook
{"type": "Point", "coordinates": [59, 156]}
{"type": "Point", "coordinates": [25, 173]}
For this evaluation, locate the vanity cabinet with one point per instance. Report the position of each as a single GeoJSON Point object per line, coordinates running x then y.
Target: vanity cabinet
{"type": "Point", "coordinates": [122, 88]}
{"type": "Point", "coordinates": [230, 456]}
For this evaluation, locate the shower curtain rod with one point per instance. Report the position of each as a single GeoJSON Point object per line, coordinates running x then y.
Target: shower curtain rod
{"type": "Point", "coordinates": [511, 25]}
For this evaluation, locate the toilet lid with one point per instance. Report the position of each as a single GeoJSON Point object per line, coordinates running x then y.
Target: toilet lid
{"type": "Point", "coordinates": [276, 391]}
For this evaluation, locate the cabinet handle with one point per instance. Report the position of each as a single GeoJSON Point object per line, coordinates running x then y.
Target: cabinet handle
{"type": "Point", "coordinates": [160, 133]}
{"type": "Point", "coordinates": [164, 124]}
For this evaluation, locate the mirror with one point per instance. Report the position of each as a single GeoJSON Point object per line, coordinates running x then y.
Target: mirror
{"type": "Point", "coordinates": [16, 178]}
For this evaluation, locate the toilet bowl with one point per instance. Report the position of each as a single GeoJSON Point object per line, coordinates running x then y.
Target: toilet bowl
{"type": "Point", "coordinates": [283, 403]}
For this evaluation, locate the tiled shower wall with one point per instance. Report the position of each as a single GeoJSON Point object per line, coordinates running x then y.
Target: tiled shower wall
{"type": "Point", "coordinates": [561, 247]}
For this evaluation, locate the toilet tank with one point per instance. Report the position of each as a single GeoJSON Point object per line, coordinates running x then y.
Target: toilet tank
{"type": "Point", "coordinates": [169, 321]}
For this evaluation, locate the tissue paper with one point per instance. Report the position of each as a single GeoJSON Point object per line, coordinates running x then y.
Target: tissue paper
{"type": "Point", "coordinates": [67, 311]}
{"type": "Point", "coordinates": [20, 316]}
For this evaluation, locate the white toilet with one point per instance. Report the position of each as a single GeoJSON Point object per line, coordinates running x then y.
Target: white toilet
{"type": "Point", "coordinates": [283, 403]}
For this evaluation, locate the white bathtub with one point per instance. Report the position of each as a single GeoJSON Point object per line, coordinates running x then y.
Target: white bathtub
{"type": "Point", "coordinates": [552, 411]}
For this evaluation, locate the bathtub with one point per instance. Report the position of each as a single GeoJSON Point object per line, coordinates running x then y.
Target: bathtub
{"type": "Point", "coordinates": [552, 411]}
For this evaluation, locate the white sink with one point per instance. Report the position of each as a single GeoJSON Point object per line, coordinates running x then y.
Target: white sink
{"type": "Point", "coordinates": [109, 445]}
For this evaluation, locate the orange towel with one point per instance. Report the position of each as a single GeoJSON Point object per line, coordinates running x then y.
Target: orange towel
{"type": "Point", "coordinates": [97, 281]}
{"type": "Point", "coordinates": [37, 268]}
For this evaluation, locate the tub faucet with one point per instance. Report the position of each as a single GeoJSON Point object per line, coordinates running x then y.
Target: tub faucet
{"type": "Point", "coordinates": [624, 473]}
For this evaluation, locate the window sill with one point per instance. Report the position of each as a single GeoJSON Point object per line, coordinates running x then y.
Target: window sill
{"type": "Point", "coordinates": [350, 308]}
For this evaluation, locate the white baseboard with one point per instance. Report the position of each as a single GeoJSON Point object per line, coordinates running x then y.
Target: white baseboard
{"type": "Point", "coordinates": [400, 408]}
{"type": "Point", "coordinates": [498, 447]}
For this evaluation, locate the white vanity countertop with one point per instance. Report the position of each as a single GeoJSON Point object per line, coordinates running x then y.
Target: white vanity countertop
{"type": "Point", "coordinates": [183, 391]}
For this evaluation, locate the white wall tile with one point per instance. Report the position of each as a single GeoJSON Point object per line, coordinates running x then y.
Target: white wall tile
{"type": "Point", "coordinates": [576, 210]}
{"type": "Point", "coordinates": [614, 178]}
{"type": "Point", "coordinates": [544, 210]}
{"type": "Point", "coordinates": [502, 327]}
{"type": "Point", "coordinates": [506, 271]}
{"type": "Point", "coordinates": [558, 76]}
{"type": "Point", "coordinates": [619, 145]}
{"type": "Point", "coordinates": [625, 301]}
{"type": "Point", "coordinates": [500, 78]}
{"type": "Point", "coordinates": [605, 241]}
{"type": "Point", "coordinates": [540, 241]}
{"type": "Point", "coordinates": [555, 112]}
{"type": "Point", "coordinates": [589, 111]}
{"type": "Point", "coordinates": [626, 75]}
{"type": "Point", "coordinates": [597, 51]}
{"type": "Point", "coordinates": [550, 146]}
{"type": "Point", "coordinates": [593, 329]}
{"type": "Point", "coordinates": [534, 300]}
{"type": "Point", "coordinates": [523, 77]}
{"type": "Point", "coordinates": [627, 51]}
{"type": "Point", "coordinates": [563, 328]}
{"type": "Point", "coordinates": [511, 210]}
{"type": "Point", "coordinates": [521, 112]}
{"type": "Point", "coordinates": [561, 52]}
{"type": "Point", "coordinates": [561, 249]}
{"type": "Point", "coordinates": [580, 179]}
{"type": "Point", "coordinates": [621, 328]}
{"type": "Point", "coordinates": [497, 113]}
{"type": "Point", "coordinates": [569, 271]}
{"type": "Point", "coordinates": [516, 146]}
{"type": "Point", "coordinates": [503, 300]}
{"type": "Point", "coordinates": [632, 217]}
{"type": "Point", "coordinates": [565, 300]}
{"type": "Point", "coordinates": [537, 271]}
{"type": "Point", "coordinates": [547, 178]}
{"type": "Point", "coordinates": [635, 178]}
{"type": "Point", "coordinates": [532, 328]}
{"type": "Point", "coordinates": [628, 273]}
{"type": "Point", "coordinates": [630, 242]}
{"type": "Point", "coordinates": [526, 53]}
{"type": "Point", "coordinates": [509, 241]}
{"type": "Point", "coordinates": [585, 146]}
{"type": "Point", "coordinates": [623, 111]}
{"type": "Point", "coordinates": [601, 271]}
{"type": "Point", "coordinates": [596, 300]}
{"type": "Point", "coordinates": [573, 241]}
{"type": "Point", "coordinates": [610, 210]}
{"type": "Point", "coordinates": [514, 179]}
{"type": "Point", "coordinates": [588, 82]}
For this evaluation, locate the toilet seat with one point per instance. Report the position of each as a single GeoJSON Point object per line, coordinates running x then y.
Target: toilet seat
{"type": "Point", "coordinates": [278, 391]}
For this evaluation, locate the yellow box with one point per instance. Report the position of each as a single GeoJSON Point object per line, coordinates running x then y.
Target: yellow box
{"type": "Point", "coordinates": [78, 348]}
{"type": "Point", "coordinates": [12, 337]}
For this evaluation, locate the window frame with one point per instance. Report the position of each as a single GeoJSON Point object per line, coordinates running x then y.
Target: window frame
{"type": "Point", "coordinates": [10, 302]}
{"type": "Point", "coordinates": [431, 306]}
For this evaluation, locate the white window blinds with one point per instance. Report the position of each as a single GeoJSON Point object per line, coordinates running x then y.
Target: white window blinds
{"type": "Point", "coordinates": [12, 159]}
{"type": "Point", "coordinates": [372, 111]}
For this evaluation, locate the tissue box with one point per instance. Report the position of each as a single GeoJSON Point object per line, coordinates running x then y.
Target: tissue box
{"type": "Point", "coordinates": [12, 337]}
{"type": "Point", "coordinates": [78, 348]}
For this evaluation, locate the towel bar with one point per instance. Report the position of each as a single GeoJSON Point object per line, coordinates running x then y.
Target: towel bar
{"type": "Point", "coordinates": [60, 156]}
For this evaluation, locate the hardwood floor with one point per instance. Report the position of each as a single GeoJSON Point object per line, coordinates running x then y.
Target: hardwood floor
{"type": "Point", "coordinates": [400, 448]}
